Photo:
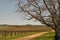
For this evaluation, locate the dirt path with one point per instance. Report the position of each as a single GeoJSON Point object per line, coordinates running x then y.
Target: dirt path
{"type": "Point", "coordinates": [31, 36]}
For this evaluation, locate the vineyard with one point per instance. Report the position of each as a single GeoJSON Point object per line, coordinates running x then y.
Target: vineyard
{"type": "Point", "coordinates": [24, 30]}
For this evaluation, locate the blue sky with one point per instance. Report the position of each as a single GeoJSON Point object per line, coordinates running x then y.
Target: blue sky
{"type": "Point", "coordinates": [9, 16]}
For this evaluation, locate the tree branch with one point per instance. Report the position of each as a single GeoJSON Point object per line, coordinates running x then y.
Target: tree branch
{"type": "Point", "coordinates": [50, 13]}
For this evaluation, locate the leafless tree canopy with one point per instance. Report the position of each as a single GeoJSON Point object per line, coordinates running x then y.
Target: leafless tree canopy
{"type": "Point", "coordinates": [45, 11]}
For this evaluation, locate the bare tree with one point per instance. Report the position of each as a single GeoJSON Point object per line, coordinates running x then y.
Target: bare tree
{"type": "Point", "coordinates": [45, 11]}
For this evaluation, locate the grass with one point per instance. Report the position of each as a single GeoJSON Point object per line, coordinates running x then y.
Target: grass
{"type": "Point", "coordinates": [16, 36]}
{"type": "Point", "coordinates": [48, 36]}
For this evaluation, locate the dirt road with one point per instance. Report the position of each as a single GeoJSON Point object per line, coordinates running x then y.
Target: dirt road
{"type": "Point", "coordinates": [31, 36]}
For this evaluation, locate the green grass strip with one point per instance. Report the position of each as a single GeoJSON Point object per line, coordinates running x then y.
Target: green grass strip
{"type": "Point", "coordinates": [47, 36]}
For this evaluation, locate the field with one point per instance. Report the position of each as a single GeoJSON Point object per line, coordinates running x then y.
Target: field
{"type": "Point", "coordinates": [48, 36]}
{"type": "Point", "coordinates": [8, 37]}
{"type": "Point", "coordinates": [10, 32]}
{"type": "Point", "coordinates": [24, 28]}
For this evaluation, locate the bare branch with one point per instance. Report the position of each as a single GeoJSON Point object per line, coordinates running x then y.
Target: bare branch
{"type": "Point", "coordinates": [50, 13]}
{"type": "Point", "coordinates": [42, 11]}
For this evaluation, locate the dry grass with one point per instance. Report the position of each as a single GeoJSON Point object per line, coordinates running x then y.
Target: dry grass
{"type": "Point", "coordinates": [25, 28]}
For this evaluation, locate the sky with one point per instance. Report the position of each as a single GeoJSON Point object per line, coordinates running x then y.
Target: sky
{"type": "Point", "coordinates": [8, 14]}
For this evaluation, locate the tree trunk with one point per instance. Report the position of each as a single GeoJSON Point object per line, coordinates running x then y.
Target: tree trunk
{"type": "Point", "coordinates": [57, 35]}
